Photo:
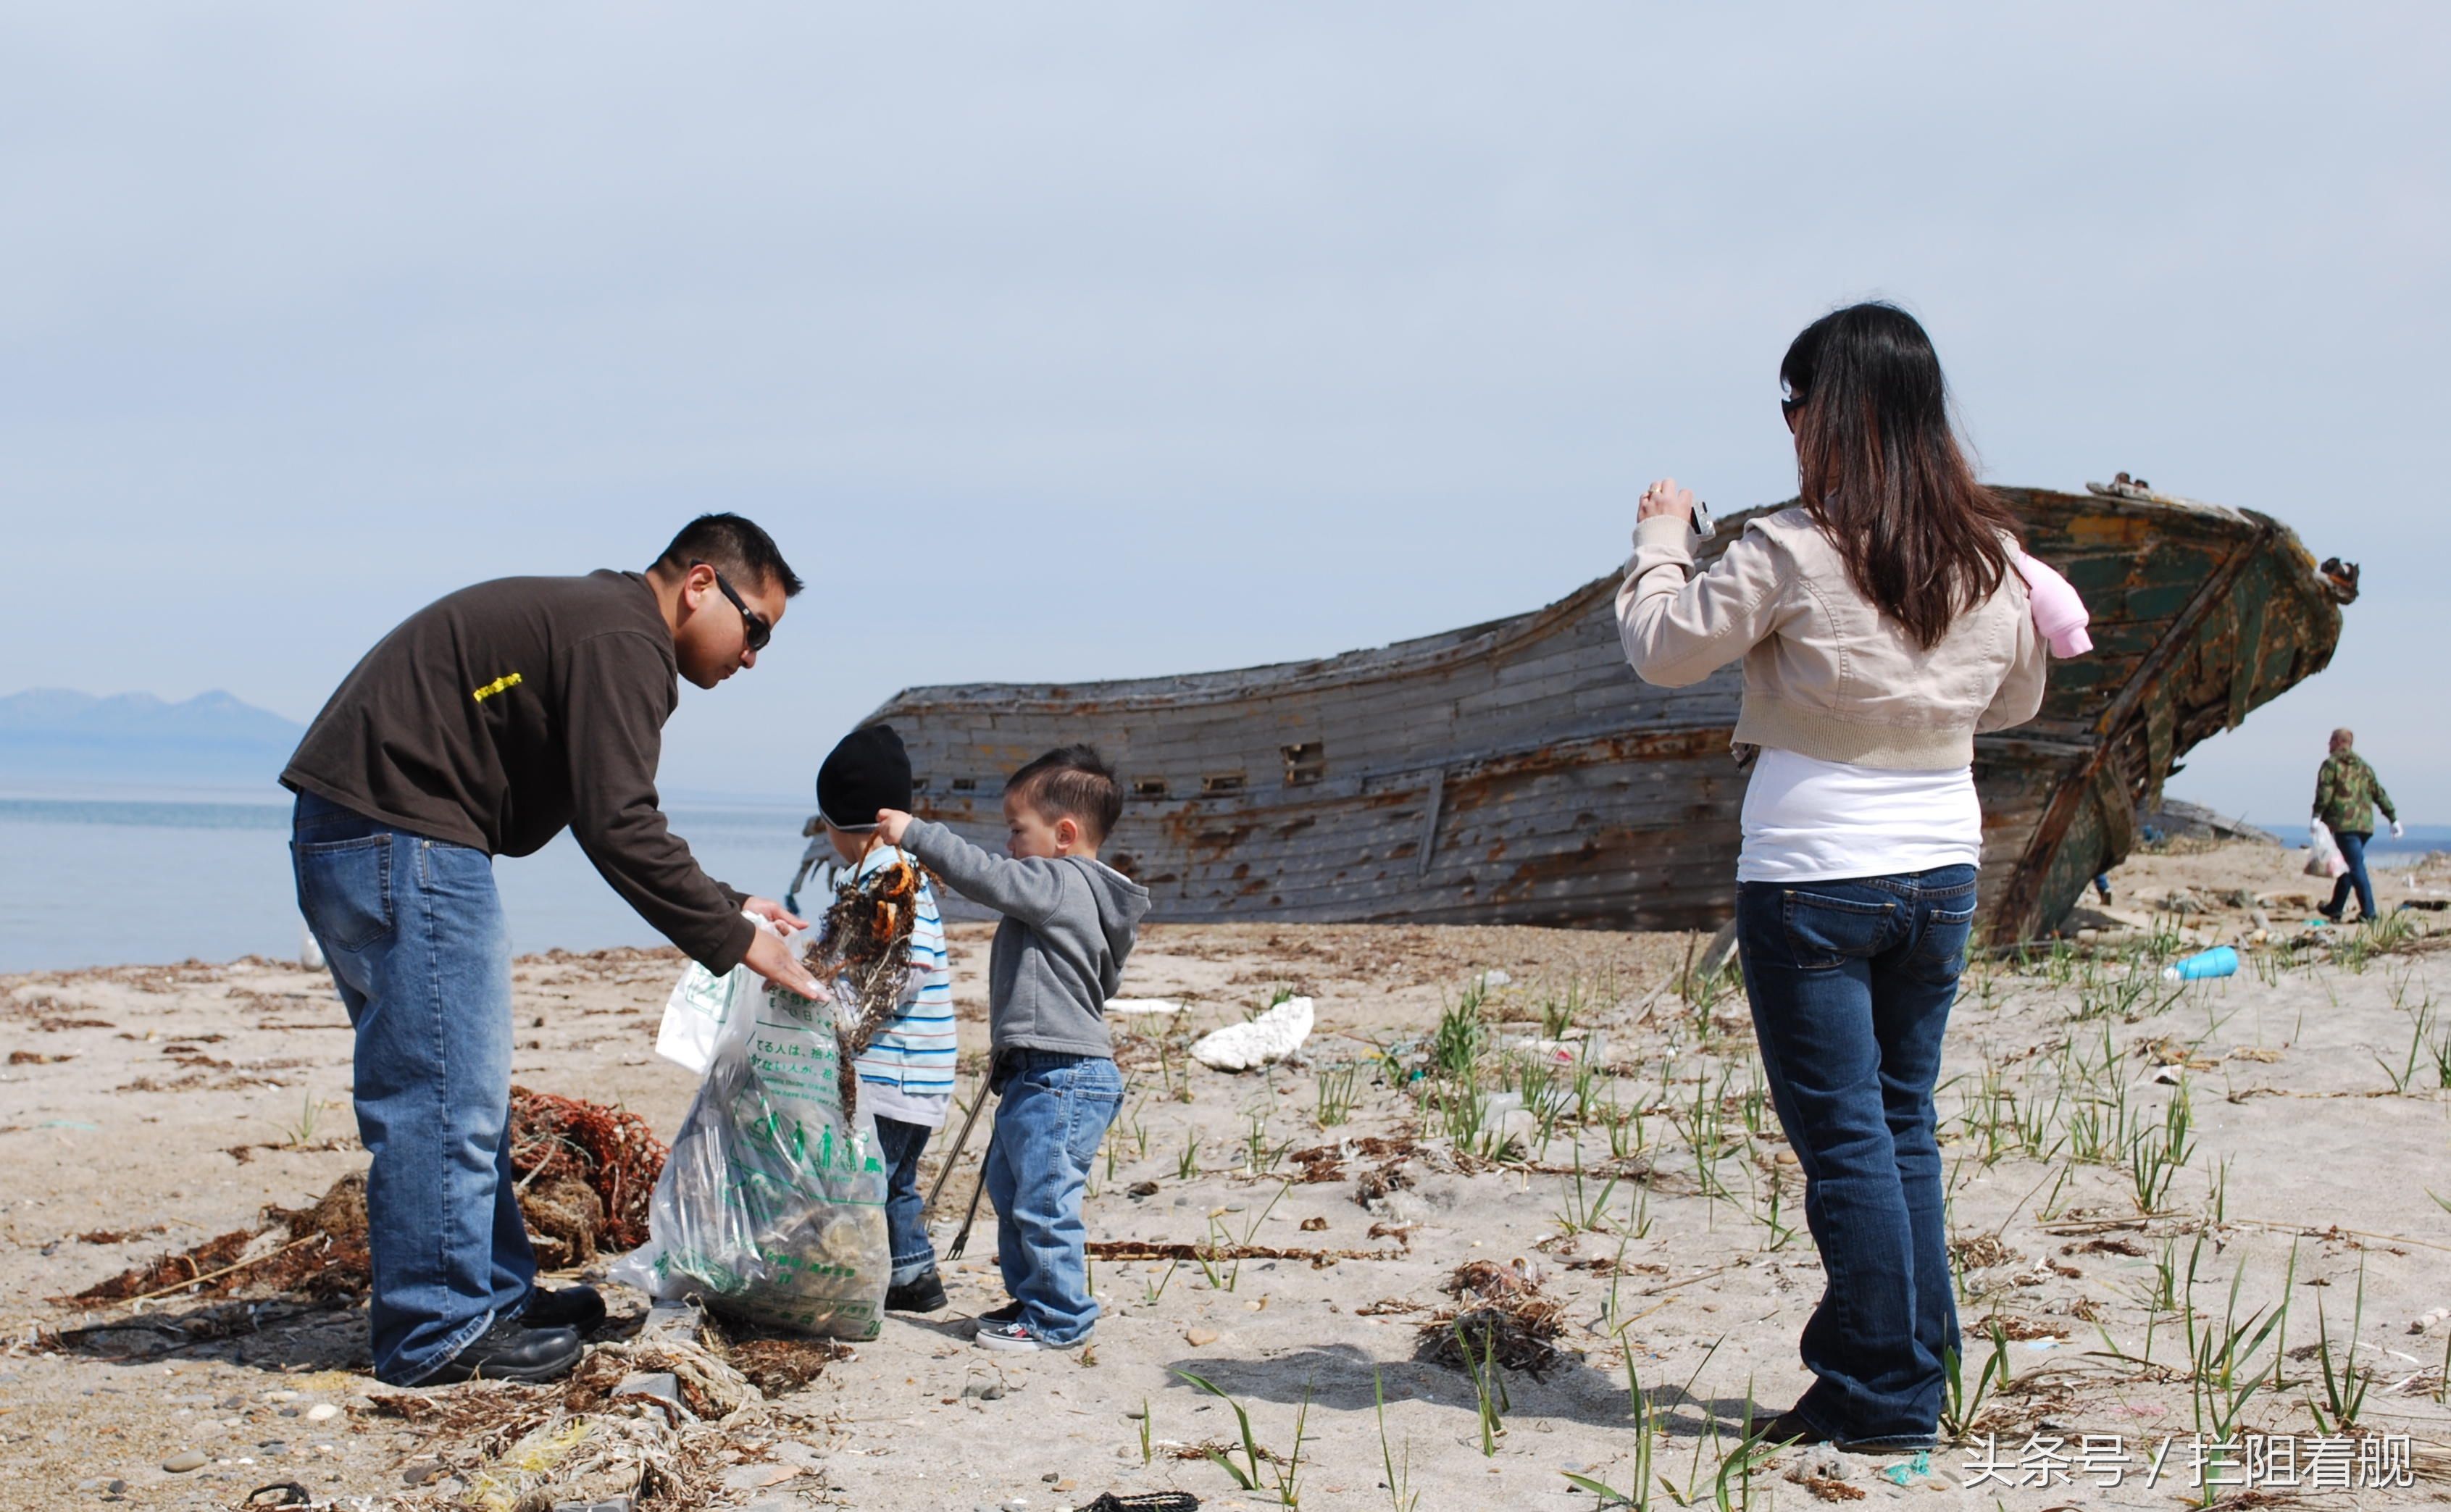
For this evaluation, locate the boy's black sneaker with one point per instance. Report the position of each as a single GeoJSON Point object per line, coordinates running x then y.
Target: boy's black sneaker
{"type": "Point", "coordinates": [510, 1350]}
{"type": "Point", "coordinates": [578, 1308]}
{"type": "Point", "coordinates": [2330, 912]}
{"type": "Point", "coordinates": [923, 1293]}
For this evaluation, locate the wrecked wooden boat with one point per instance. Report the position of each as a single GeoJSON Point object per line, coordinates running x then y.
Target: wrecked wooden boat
{"type": "Point", "coordinates": [1519, 773]}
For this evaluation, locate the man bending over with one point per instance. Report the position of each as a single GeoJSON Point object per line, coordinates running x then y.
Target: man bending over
{"type": "Point", "coordinates": [482, 726]}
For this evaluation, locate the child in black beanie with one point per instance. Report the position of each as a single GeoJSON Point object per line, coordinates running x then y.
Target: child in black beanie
{"type": "Point", "coordinates": [906, 1074]}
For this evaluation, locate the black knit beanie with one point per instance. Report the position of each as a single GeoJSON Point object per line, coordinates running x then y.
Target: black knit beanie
{"type": "Point", "coordinates": [869, 771]}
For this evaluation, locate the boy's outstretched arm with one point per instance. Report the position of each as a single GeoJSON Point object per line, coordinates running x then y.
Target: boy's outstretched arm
{"type": "Point", "coordinates": [1028, 890]}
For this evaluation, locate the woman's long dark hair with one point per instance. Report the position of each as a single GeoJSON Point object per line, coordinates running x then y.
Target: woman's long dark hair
{"type": "Point", "coordinates": [1882, 473]}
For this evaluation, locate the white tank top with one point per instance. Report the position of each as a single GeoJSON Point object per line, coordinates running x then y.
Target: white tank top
{"type": "Point", "coordinates": [1810, 821]}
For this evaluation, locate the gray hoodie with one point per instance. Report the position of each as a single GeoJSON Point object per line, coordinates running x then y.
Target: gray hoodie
{"type": "Point", "coordinates": [1068, 924]}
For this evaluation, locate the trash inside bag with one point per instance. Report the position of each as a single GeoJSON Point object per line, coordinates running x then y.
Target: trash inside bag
{"type": "Point", "coordinates": [772, 1205]}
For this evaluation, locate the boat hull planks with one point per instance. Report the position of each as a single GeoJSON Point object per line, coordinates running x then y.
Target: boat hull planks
{"type": "Point", "coordinates": [1519, 773]}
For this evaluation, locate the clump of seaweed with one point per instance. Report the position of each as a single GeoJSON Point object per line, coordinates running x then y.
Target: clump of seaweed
{"type": "Point", "coordinates": [864, 944]}
{"type": "Point", "coordinates": [594, 1165]}
{"type": "Point", "coordinates": [586, 1174]}
{"type": "Point", "coordinates": [1500, 1313]}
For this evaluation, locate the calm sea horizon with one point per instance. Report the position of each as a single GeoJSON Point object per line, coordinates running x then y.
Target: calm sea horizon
{"type": "Point", "coordinates": [149, 878]}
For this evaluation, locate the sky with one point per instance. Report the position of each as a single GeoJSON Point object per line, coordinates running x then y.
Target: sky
{"type": "Point", "coordinates": [1102, 341]}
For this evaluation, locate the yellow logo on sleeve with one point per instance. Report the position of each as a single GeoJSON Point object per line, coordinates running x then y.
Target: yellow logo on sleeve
{"type": "Point", "coordinates": [497, 686]}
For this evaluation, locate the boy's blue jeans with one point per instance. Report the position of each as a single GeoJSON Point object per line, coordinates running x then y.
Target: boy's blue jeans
{"type": "Point", "coordinates": [413, 932]}
{"type": "Point", "coordinates": [1851, 984]}
{"type": "Point", "coordinates": [901, 1144]}
{"type": "Point", "coordinates": [1054, 1111]}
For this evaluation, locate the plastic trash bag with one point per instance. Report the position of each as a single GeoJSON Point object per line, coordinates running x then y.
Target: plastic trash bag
{"type": "Point", "coordinates": [772, 1205]}
{"type": "Point", "coordinates": [1273, 1037]}
{"type": "Point", "coordinates": [2323, 857]}
{"type": "Point", "coordinates": [694, 1016]}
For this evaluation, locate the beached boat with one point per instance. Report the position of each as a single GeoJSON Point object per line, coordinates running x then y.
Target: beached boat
{"type": "Point", "coordinates": [1519, 773]}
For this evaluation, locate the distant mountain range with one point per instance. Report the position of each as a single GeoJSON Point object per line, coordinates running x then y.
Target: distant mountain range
{"type": "Point", "coordinates": [58, 736]}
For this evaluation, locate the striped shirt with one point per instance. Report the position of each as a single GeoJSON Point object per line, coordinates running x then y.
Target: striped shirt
{"type": "Point", "coordinates": [907, 1071]}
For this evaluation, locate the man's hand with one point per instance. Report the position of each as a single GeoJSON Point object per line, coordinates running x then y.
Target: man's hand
{"type": "Point", "coordinates": [774, 913]}
{"type": "Point", "coordinates": [891, 823]}
{"type": "Point", "coordinates": [772, 959]}
{"type": "Point", "coordinates": [1665, 497]}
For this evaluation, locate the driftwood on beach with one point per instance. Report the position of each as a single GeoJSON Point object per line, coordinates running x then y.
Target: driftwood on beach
{"type": "Point", "coordinates": [1517, 772]}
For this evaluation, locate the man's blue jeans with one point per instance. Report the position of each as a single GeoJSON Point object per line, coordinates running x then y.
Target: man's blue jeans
{"type": "Point", "coordinates": [901, 1145]}
{"type": "Point", "coordinates": [1851, 984]}
{"type": "Point", "coordinates": [1054, 1113]}
{"type": "Point", "coordinates": [413, 932]}
{"type": "Point", "coordinates": [2353, 850]}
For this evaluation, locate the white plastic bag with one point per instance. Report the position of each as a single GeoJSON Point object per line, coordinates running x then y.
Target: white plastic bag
{"type": "Point", "coordinates": [693, 1019]}
{"type": "Point", "coordinates": [772, 1205]}
{"type": "Point", "coordinates": [1272, 1036]}
{"type": "Point", "coordinates": [2323, 857]}
{"type": "Point", "coordinates": [693, 1013]}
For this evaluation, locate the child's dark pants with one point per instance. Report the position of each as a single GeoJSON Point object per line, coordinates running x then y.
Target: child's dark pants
{"type": "Point", "coordinates": [900, 1144]}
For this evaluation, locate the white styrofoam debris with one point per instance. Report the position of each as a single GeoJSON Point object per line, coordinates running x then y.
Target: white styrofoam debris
{"type": "Point", "coordinates": [1270, 1037]}
{"type": "Point", "coordinates": [1142, 1004]}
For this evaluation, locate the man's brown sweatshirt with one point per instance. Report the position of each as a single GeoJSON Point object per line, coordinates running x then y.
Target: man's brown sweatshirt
{"type": "Point", "coordinates": [496, 716]}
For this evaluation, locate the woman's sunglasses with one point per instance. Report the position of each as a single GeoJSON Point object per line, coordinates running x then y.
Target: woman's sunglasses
{"type": "Point", "coordinates": [1792, 407]}
{"type": "Point", "coordinates": [754, 628]}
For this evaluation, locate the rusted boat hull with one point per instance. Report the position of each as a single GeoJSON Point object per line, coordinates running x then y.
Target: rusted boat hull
{"type": "Point", "coordinates": [1519, 773]}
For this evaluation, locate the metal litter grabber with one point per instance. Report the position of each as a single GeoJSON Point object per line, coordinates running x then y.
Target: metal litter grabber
{"type": "Point", "coordinates": [970, 1215]}
{"type": "Point", "coordinates": [953, 1157]}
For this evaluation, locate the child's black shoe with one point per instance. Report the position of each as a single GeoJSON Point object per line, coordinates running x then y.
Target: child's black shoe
{"type": "Point", "coordinates": [922, 1294]}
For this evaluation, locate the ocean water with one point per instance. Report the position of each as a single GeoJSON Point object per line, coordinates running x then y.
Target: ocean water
{"type": "Point", "coordinates": [115, 881]}
{"type": "Point", "coordinates": [110, 881]}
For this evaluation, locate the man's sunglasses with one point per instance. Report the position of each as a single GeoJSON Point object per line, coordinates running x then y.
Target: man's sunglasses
{"type": "Point", "coordinates": [753, 626]}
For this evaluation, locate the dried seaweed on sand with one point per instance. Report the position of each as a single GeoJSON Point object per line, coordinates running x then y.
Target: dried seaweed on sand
{"type": "Point", "coordinates": [560, 1144]}
{"type": "Point", "coordinates": [657, 1420]}
{"type": "Point", "coordinates": [319, 1250]}
{"type": "Point", "coordinates": [1158, 1249]}
{"type": "Point", "coordinates": [585, 1174]}
{"type": "Point", "coordinates": [1500, 1312]}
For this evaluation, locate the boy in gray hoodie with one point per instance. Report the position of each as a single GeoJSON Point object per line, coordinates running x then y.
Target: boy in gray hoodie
{"type": "Point", "coordinates": [1068, 924]}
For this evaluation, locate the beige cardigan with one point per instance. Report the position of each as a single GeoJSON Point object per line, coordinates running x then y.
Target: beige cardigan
{"type": "Point", "coordinates": [1826, 673]}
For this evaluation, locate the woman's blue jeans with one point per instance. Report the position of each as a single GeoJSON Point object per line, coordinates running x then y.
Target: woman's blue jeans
{"type": "Point", "coordinates": [413, 932]}
{"type": "Point", "coordinates": [1851, 984]}
{"type": "Point", "coordinates": [1054, 1113]}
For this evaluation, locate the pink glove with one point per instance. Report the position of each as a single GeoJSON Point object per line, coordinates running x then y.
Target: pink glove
{"type": "Point", "coordinates": [2059, 613]}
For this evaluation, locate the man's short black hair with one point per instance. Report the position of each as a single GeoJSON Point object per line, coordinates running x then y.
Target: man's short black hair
{"type": "Point", "coordinates": [1071, 782]}
{"type": "Point", "coordinates": [735, 548]}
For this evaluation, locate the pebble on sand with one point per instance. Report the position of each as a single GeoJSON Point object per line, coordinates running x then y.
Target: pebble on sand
{"type": "Point", "coordinates": [186, 1460]}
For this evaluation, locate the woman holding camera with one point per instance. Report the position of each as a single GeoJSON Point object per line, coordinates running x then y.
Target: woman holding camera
{"type": "Point", "coordinates": [1882, 624]}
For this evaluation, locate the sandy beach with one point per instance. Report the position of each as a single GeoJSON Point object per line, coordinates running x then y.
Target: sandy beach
{"type": "Point", "coordinates": [2120, 1146]}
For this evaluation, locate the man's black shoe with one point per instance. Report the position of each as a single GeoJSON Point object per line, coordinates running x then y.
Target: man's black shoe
{"type": "Point", "coordinates": [512, 1351]}
{"type": "Point", "coordinates": [578, 1308]}
{"type": "Point", "coordinates": [2330, 912]}
{"type": "Point", "coordinates": [1784, 1428]}
{"type": "Point", "coordinates": [925, 1293]}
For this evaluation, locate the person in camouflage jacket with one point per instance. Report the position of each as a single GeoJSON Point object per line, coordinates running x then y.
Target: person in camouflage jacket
{"type": "Point", "coordinates": [2346, 795]}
